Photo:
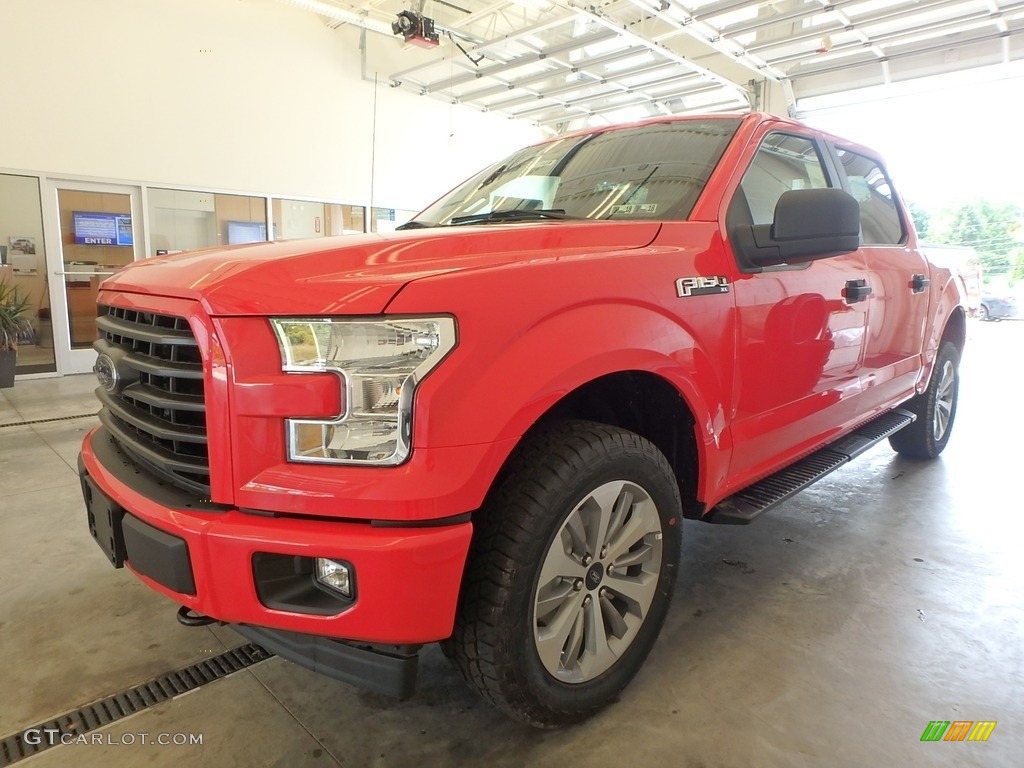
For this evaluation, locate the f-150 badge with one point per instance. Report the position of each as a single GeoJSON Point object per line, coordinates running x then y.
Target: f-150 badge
{"type": "Point", "coordinates": [701, 286]}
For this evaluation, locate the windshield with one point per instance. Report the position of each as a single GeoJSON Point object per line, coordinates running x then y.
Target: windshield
{"type": "Point", "coordinates": [654, 171]}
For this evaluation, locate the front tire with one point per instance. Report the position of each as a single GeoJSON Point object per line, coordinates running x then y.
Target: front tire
{"type": "Point", "coordinates": [935, 409]}
{"type": "Point", "coordinates": [570, 573]}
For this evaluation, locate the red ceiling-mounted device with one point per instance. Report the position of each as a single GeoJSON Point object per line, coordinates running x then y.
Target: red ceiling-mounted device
{"type": "Point", "coordinates": [415, 29]}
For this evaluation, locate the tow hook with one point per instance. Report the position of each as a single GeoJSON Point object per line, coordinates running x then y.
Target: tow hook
{"type": "Point", "coordinates": [190, 618]}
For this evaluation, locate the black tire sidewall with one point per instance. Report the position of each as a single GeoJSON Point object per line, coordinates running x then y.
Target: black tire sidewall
{"type": "Point", "coordinates": [580, 699]}
{"type": "Point", "coordinates": [917, 441]}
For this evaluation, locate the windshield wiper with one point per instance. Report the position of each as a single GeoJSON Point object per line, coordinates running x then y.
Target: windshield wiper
{"type": "Point", "coordinates": [415, 225]}
{"type": "Point", "coordinates": [514, 214]}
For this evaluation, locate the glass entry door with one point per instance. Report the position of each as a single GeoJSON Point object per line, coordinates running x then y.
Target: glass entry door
{"type": "Point", "coordinates": [98, 232]}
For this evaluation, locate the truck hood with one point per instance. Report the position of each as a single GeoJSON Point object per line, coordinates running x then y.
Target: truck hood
{"type": "Point", "coordinates": [360, 274]}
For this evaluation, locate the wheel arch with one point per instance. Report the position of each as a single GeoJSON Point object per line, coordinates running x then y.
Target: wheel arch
{"type": "Point", "coordinates": [955, 329]}
{"type": "Point", "coordinates": [646, 404]}
{"type": "Point", "coordinates": [949, 323]}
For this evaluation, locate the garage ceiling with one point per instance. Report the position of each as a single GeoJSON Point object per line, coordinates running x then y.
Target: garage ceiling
{"type": "Point", "coordinates": [563, 64]}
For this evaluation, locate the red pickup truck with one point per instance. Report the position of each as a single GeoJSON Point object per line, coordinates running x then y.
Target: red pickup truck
{"type": "Point", "coordinates": [486, 429]}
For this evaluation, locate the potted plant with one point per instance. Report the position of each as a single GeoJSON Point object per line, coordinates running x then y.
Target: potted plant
{"type": "Point", "coordinates": [14, 320]}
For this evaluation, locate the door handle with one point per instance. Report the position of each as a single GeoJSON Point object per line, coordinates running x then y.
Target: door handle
{"type": "Point", "coordinates": [856, 290]}
{"type": "Point", "coordinates": [918, 283]}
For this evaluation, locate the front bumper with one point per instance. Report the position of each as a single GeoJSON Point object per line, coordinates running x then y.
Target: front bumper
{"type": "Point", "coordinates": [203, 556]}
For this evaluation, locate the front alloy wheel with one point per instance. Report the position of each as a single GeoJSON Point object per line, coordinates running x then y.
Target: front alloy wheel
{"type": "Point", "coordinates": [597, 582]}
{"type": "Point", "coordinates": [570, 573]}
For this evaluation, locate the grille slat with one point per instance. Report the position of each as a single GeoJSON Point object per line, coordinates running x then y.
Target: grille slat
{"type": "Point", "coordinates": [159, 419]}
{"type": "Point", "coordinates": [146, 393]}
{"type": "Point", "coordinates": [164, 367]}
{"type": "Point", "coordinates": [163, 430]}
{"type": "Point", "coordinates": [115, 326]}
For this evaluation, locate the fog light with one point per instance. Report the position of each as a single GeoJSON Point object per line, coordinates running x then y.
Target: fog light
{"type": "Point", "coordinates": [334, 575]}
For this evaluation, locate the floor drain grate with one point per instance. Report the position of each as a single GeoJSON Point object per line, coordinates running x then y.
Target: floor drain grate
{"type": "Point", "coordinates": [128, 702]}
{"type": "Point", "coordinates": [47, 421]}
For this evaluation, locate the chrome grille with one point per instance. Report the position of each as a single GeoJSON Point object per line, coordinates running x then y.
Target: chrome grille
{"type": "Point", "coordinates": [159, 416]}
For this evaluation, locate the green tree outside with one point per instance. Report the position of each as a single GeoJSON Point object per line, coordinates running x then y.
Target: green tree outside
{"type": "Point", "coordinates": [922, 221]}
{"type": "Point", "coordinates": [1017, 273]}
{"type": "Point", "coordinates": [994, 230]}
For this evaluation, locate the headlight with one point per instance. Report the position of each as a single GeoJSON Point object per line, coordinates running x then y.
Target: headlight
{"type": "Point", "coordinates": [379, 363]}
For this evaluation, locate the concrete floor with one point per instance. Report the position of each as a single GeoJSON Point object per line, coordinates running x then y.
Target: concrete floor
{"type": "Point", "coordinates": [829, 633]}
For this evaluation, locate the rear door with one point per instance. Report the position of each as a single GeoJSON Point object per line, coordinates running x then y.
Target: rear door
{"type": "Point", "coordinates": [899, 281]}
{"type": "Point", "coordinates": [801, 341]}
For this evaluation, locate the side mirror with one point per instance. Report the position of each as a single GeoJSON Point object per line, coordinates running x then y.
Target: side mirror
{"type": "Point", "coordinates": [809, 224]}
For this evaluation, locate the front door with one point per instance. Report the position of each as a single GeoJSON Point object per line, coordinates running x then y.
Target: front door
{"type": "Point", "coordinates": [800, 328]}
{"type": "Point", "coordinates": [98, 230]}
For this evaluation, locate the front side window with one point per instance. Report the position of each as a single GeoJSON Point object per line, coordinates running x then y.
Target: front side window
{"type": "Point", "coordinates": [651, 172]}
{"type": "Point", "coordinates": [880, 222]}
{"type": "Point", "coordinates": [783, 162]}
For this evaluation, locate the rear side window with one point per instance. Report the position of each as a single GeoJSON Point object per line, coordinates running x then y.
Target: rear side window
{"type": "Point", "coordinates": [880, 222]}
{"type": "Point", "coordinates": [783, 162]}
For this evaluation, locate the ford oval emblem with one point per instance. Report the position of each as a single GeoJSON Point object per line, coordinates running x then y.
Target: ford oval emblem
{"type": "Point", "coordinates": [106, 371]}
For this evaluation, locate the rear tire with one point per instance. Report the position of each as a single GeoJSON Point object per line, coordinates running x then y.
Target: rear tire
{"type": "Point", "coordinates": [935, 409]}
{"type": "Point", "coordinates": [570, 573]}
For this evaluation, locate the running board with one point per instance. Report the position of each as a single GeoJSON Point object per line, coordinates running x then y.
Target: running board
{"type": "Point", "coordinates": [744, 506]}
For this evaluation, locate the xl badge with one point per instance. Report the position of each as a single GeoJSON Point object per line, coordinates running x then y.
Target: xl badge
{"type": "Point", "coordinates": [701, 286]}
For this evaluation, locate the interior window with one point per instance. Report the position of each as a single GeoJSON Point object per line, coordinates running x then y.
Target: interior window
{"type": "Point", "coordinates": [880, 222]}
{"type": "Point", "coordinates": [783, 162]}
{"type": "Point", "coordinates": [183, 220]}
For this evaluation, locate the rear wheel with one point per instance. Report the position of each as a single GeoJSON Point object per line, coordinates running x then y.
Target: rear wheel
{"type": "Point", "coordinates": [983, 313]}
{"type": "Point", "coordinates": [935, 409]}
{"type": "Point", "coordinates": [570, 574]}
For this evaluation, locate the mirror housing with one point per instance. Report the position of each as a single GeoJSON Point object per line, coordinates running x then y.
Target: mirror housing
{"type": "Point", "coordinates": [809, 224]}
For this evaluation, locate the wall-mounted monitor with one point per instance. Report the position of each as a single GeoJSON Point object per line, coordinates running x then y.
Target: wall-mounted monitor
{"type": "Point", "coordinates": [246, 232]}
{"type": "Point", "coordinates": [93, 228]}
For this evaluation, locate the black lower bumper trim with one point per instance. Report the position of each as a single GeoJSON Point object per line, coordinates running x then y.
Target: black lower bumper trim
{"type": "Point", "coordinates": [390, 670]}
{"type": "Point", "coordinates": [158, 555]}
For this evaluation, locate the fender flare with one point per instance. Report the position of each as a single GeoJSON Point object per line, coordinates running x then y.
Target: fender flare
{"type": "Point", "coordinates": [948, 303]}
{"type": "Point", "coordinates": [552, 358]}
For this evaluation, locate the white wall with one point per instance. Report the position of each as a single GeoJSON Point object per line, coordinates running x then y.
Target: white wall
{"type": "Point", "coordinates": [247, 95]}
{"type": "Point", "coordinates": [19, 218]}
